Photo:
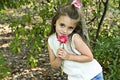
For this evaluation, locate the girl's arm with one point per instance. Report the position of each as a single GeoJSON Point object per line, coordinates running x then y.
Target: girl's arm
{"type": "Point", "coordinates": [80, 45]}
{"type": "Point", "coordinates": [86, 54]}
{"type": "Point", "coordinates": [54, 61]}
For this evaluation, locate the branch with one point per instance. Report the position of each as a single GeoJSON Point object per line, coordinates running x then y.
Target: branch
{"type": "Point", "coordinates": [102, 18]}
{"type": "Point", "coordinates": [91, 20]}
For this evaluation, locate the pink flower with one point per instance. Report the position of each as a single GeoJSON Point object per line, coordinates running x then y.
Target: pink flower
{"type": "Point", "coordinates": [62, 39]}
{"type": "Point", "coordinates": [77, 4]}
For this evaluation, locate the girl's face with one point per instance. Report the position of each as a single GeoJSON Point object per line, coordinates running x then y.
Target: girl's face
{"type": "Point", "coordinates": [65, 25]}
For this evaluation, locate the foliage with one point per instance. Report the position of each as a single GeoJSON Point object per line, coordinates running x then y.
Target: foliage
{"type": "Point", "coordinates": [12, 3]}
{"type": "Point", "coordinates": [107, 52]}
{"type": "Point", "coordinates": [4, 69]}
{"type": "Point", "coordinates": [31, 31]}
{"type": "Point", "coordinates": [106, 49]}
{"type": "Point", "coordinates": [30, 22]}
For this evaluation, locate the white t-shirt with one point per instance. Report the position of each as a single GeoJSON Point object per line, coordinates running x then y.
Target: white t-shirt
{"type": "Point", "coordinates": [75, 70]}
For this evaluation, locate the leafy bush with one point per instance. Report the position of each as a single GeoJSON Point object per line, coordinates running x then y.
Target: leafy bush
{"type": "Point", "coordinates": [107, 51]}
{"type": "Point", "coordinates": [31, 30]}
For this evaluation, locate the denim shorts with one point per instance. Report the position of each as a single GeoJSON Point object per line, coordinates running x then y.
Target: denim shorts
{"type": "Point", "coordinates": [98, 77]}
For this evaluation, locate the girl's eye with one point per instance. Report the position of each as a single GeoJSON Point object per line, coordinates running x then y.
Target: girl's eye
{"type": "Point", "coordinates": [61, 24]}
{"type": "Point", "coordinates": [71, 28]}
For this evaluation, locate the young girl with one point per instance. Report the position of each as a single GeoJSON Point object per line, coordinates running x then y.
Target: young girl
{"type": "Point", "coordinates": [77, 58]}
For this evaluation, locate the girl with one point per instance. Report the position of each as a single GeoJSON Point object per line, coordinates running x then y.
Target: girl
{"type": "Point", "coordinates": [79, 63]}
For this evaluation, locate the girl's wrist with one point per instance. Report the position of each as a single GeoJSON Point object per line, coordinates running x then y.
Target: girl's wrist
{"type": "Point", "coordinates": [68, 56]}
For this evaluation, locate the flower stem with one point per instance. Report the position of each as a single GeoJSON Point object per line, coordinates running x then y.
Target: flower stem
{"type": "Point", "coordinates": [62, 66]}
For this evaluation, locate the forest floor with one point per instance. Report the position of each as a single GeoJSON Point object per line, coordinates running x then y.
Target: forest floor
{"type": "Point", "coordinates": [17, 62]}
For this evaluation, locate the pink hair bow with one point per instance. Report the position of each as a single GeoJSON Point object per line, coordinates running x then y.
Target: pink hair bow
{"type": "Point", "coordinates": [77, 4]}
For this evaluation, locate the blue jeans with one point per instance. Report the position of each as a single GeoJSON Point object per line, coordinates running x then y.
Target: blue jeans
{"type": "Point", "coordinates": [98, 77]}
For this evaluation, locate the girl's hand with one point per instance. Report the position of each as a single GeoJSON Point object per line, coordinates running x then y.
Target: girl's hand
{"type": "Point", "coordinates": [62, 53]}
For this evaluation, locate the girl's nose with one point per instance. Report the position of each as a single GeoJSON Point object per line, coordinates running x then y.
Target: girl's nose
{"type": "Point", "coordinates": [65, 31]}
